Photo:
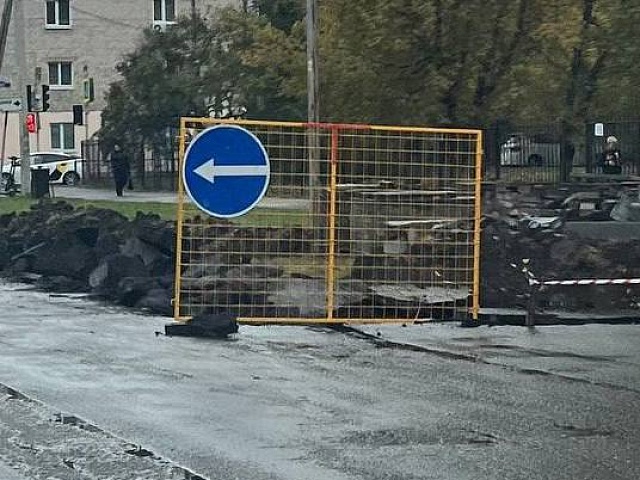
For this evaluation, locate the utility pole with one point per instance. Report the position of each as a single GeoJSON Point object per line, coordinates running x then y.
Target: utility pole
{"type": "Point", "coordinates": [313, 106]}
{"type": "Point", "coordinates": [25, 160]}
{"type": "Point", "coordinates": [4, 31]}
{"type": "Point", "coordinates": [194, 22]}
{"type": "Point", "coordinates": [312, 61]}
{"type": "Point", "coordinates": [4, 28]}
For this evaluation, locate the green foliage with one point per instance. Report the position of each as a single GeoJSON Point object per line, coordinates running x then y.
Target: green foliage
{"type": "Point", "coordinates": [268, 65]}
{"type": "Point", "coordinates": [616, 96]}
{"type": "Point", "coordinates": [193, 67]}
{"type": "Point", "coordinates": [282, 14]}
{"type": "Point", "coordinates": [20, 204]}
{"type": "Point", "coordinates": [462, 62]}
{"type": "Point", "coordinates": [438, 61]}
{"type": "Point", "coordinates": [259, 217]}
{"type": "Point", "coordinates": [167, 77]}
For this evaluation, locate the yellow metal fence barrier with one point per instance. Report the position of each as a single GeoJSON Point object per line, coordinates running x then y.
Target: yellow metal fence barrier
{"type": "Point", "coordinates": [360, 224]}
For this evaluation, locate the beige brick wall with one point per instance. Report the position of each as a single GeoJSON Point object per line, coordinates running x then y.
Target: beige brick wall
{"type": "Point", "coordinates": [101, 33]}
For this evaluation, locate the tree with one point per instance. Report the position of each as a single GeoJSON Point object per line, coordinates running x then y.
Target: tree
{"type": "Point", "coordinates": [167, 77]}
{"type": "Point", "coordinates": [616, 94]}
{"type": "Point", "coordinates": [197, 65]}
{"type": "Point", "coordinates": [442, 61]}
{"type": "Point", "coordinates": [281, 14]}
{"type": "Point", "coordinates": [268, 65]}
{"type": "Point", "coordinates": [388, 61]}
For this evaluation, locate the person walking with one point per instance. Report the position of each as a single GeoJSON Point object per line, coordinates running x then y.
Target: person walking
{"type": "Point", "coordinates": [120, 168]}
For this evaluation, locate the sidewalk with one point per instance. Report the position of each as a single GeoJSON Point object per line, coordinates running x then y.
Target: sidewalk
{"type": "Point", "coordinates": [62, 191]}
{"type": "Point", "coordinates": [9, 473]}
{"type": "Point", "coordinates": [586, 353]}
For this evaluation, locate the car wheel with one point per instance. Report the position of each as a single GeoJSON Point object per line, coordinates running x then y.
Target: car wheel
{"type": "Point", "coordinates": [71, 179]}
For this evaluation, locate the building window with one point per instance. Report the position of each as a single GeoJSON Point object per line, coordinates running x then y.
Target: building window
{"type": "Point", "coordinates": [60, 74]}
{"type": "Point", "coordinates": [164, 11]}
{"type": "Point", "coordinates": [62, 136]}
{"type": "Point", "coordinates": [58, 13]}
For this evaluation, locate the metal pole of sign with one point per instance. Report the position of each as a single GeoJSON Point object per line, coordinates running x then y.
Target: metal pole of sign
{"type": "Point", "coordinates": [4, 140]}
{"type": "Point", "coordinates": [38, 124]}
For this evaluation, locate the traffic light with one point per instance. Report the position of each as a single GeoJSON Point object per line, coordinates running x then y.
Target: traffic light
{"type": "Point", "coordinates": [32, 125]}
{"type": "Point", "coordinates": [45, 98]}
{"type": "Point", "coordinates": [78, 115]}
{"type": "Point", "coordinates": [29, 98]}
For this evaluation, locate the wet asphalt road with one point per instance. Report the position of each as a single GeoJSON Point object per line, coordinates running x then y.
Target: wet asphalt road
{"type": "Point", "coordinates": [295, 403]}
{"type": "Point", "coordinates": [8, 473]}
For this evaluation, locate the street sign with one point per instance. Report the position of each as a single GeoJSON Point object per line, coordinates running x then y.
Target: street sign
{"type": "Point", "coordinates": [5, 82]}
{"type": "Point", "coordinates": [226, 171]}
{"type": "Point", "coordinates": [598, 129]}
{"type": "Point", "coordinates": [10, 104]}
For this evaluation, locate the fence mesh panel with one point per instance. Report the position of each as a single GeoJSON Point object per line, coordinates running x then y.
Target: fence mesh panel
{"type": "Point", "coordinates": [360, 224]}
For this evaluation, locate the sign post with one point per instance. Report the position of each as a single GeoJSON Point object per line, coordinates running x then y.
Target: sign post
{"type": "Point", "coordinates": [226, 171]}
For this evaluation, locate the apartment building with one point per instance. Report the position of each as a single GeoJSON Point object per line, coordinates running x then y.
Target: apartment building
{"type": "Point", "coordinates": [68, 41]}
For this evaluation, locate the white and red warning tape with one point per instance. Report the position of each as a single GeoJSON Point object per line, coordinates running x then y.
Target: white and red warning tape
{"type": "Point", "coordinates": [591, 281]}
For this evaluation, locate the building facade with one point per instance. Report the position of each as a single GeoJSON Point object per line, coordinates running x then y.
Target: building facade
{"type": "Point", "coordinates": [68, 42]}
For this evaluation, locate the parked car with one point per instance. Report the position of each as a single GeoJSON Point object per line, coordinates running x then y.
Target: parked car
{"type": "Point", "coordinates": [523, 150]}
{"type": "Point", "coordinates": [63, 168]}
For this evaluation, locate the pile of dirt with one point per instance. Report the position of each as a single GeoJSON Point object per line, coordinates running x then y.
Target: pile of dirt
{"type": "Point", "coordinates": [131, 262]}
{"type": "Point", "coordinates": [529, 237]}
{"type": "Point", "coordinates": [59, 248]}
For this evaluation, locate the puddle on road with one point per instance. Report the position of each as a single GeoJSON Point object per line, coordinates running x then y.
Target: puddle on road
{"type": "Point", "coordinates": [535, 352]}
{"type": "Point", "coordinates": [402, 437]}
{"type": "Point", "coordinates": [581, 432]}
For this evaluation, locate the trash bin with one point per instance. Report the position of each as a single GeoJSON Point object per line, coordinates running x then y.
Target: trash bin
{"type": "Point", "coordinates": [40, 183]}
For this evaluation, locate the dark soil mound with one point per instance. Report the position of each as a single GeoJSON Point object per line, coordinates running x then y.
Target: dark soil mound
{"type": "Point", "coordinates": [131, 262]}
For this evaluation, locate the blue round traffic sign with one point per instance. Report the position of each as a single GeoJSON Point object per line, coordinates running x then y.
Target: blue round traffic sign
{"type": "Point", "coordinates": [226, 171]}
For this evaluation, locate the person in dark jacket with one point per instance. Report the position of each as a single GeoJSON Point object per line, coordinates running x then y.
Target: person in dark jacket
{"type": "Point", "coordinates": [611, 157]}
{"type": "Point", "coordinates": [120, 168]}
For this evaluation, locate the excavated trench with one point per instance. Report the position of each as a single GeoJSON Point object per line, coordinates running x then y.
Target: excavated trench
{"type": "Point", "coordinates": [526, 233]}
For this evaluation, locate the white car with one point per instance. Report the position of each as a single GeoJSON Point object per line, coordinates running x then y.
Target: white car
{"type": "Point", "coordinates": [63, 168]}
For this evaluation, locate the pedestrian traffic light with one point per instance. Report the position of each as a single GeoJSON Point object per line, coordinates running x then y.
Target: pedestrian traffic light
{"type": "Point", "coordinates": [78, 115]}
{"type": "Point", "coordinates": [30, 120]}
{"type": "Point", "coordinates": [29, 98]}
{"type": "Point", "coordinates": [45, 98]}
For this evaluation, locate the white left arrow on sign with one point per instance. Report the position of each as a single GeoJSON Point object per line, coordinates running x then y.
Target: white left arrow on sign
{"type": "Point", "coordinates": [209, 170]}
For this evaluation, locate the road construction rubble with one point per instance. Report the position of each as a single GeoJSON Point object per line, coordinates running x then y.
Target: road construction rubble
{"type": "Point", "coordinates": [91, 250]}
{"type": "Point", "coordinates": [561, 234]}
